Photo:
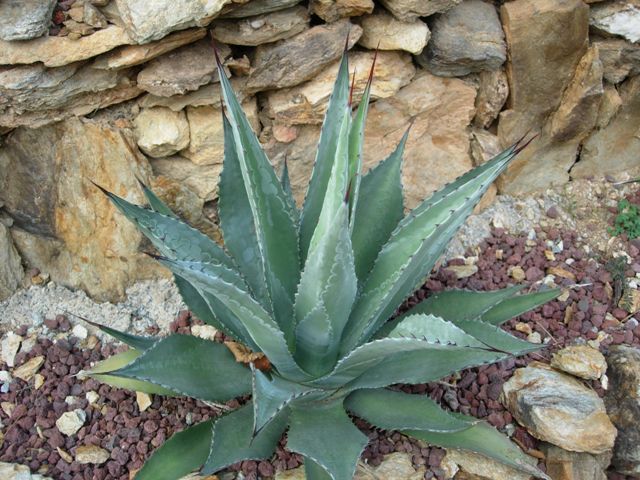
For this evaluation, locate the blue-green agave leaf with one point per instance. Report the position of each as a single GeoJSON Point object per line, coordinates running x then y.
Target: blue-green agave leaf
{"type": "Point", "coordinates": [433, 329]}
{"type": "Point", "coordinates": [518, 305]}
{"type": "Point", "coordinates": [134, 341]}
{"type": "Point", "coordinates": [314, 341]}
{"type": "Point", "coordinates": [285, 181]}
{"type": "Point", "coordinates": [155, 203]}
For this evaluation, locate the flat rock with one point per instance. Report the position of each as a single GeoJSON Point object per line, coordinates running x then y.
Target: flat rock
{"type": "Point", "coordinates": [180, 71]}
{"type": "Point", "coordinates": [493, 90]}
{"type": "Point", "coordinates": [256, 7]}
{"type": "Point", "coordinates": [201, 179]}
{"type": "Point", "coordinates": [13, 471]}
{"type": "Point", "coordinates": [9, 347]}
{"type": "Point", "coordinates": [292, 61]}
{"type": "Point", "coordinates": [619, 18]}
{"type": "Point", "coordinates": [58, 51]}
{"type": "Point", "coordinates": [609, 105]}
{"type": "Point", "coordinates": [64, 225]}
{"type": "Point", "coordinates": [265, 28]}
{"type": "Point", "coordinates": [620, 58]}
{"type": "Point", "coordinates": [332, 10]}
{"type": "Point", "coordinates": [307, 103]}
{"type": "Point", "coordinates": [161, 132]}
{"type": "Point", "coordinates": [580, 361]}
{"type": "Point", "coordinates": [27, 370]}
{"type": "Point", "coordinates": [206, 145]}
{"type": "Point", "coordinates": [146, 21]}
{"type": "Point", "coordinates": [564, 465]}
{"type": "Point", "coordinates": [143, 400]}
{"type": "Point", "coordinates": [558, 409]}
{"type": "Point", "coordinates": [20, 20]}
{"type": "Point", "coordinates": [11, 271]}
{"type": "Point", "coordinates": [616, 147]}
{"type": "Point", "coordinates": [131, 55]}
{"type": "Point", "coordinates": [70, 422]}
{"type": "Point", "coordinates": [481, 467]}
{"type": "Point", "coordinates": [385, 32]}
{"type": "Point", "coordinates": [91, 454]}
{"type": "Point", "coordinates": [623, 406]}
{"type": "Point", "coordinates": [411, 9]}
{"type": "Point", "coordinates": [467, 38]}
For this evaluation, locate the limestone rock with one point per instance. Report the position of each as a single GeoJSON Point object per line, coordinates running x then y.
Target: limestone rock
{"type": "Point", "coordinates": [616, 147]}
{"type": "Point", "coordinates": [620, 18]}
{"type": "Point", "coordinates": [161, 132]}
{"type": "Point", "coordinates": [307, 103]}
{"type": "Point", "coordinates": [263, 28]}
{"type": "Point", "coordinates": [411, 9]}
{"type": "Point", "coordinates": [530, 27]}
{"type": "Point", "coordinates": [493, 91]}
{"type": "Point", "coordinates": [206, 145]}
{"type": "Point", "coordinates": [91, 454]}
{"type": "Point", "coordinates": [296, 59]}
{"type": "Point", "coordinates": [559, 409]}
{"type": "Point", "coordinates": [13, 471]}
{"type": "Point", "coordinates": [20, 20]}
{"type": "Point", "coordinates": [143, 400]}
{"type": "Point", "coordinates": [484, 146]}
{"type": "Point", "coordinates": [10, 345]}
{"type": "Point", "coordinates": [201, 179]}
{"type": "Point", "coordinates": [609, 105]}
{"type": "Point", "coordinates": [564, 465]}
{"type": "Point", "coordinates": [255, 7]}
{"type": "Point", "coordinates": [28, 369]}
{"type": "Point", "coordinates": [131, 55]}
{"type": "Point", "coordinates": [580, 361]}
{"type": "Point", "coordinates": [11, 271]}
{"type": "Point", "coordinates": [146, 21]}
{"type": "Point", "coordinates": [623, 406]}
{"type": "Point", "coordinates": [63, 224]}
{"type": "Point", "coordinates": [467, 38]}
{"type": "Point", "coordinates": [332, 10]}
{"type": "Point", "coordinates": [484, 468]}
{"type": "Point", "coordinates": [58, 51]}
{"type": "Point", "coordinates": [34, 95]}
{"type": "Point", "coordinates": [180, 71]}
{"type": "Point", "coordinates": [395, 466]}
{"type": "Point", "coordinates": [384, 31]}
{"type": "Point", "coordinates": [620, 58]}
{"type": "Point", "coordinates": [70, 422]}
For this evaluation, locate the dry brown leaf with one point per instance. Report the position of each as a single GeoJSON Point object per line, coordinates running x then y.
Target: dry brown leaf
{"type": "Point", "coordinates": [243, 354]}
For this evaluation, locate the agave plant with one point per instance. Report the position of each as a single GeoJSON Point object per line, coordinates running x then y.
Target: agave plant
{"type": "Point", "coordinates": [313, 290]}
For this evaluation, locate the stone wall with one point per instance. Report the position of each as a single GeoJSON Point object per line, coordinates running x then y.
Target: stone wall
{"type": "Point", "coordinates": [111, 91]}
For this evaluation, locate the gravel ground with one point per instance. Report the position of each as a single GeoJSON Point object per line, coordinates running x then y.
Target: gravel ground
{"type": "Point", "coordinates": [115, 423]}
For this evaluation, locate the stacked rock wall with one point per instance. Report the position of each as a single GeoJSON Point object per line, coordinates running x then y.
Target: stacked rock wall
{"type": "Point", "coordinates": [111, 91]}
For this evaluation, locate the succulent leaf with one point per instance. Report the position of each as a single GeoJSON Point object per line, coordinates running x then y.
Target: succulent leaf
{"type": "Point", "coordinates": [518, 305]}
{"type": "Point", "coordinates": [484, 439]}
{"type": "Point", "coordinates": [176, 363]}
{"type": "Point", "coordinates": [325, 433]}
{"type": "Point", "coordinates": [433, 329]}
{"type": "Point", "coordinates": [378, 211]}
{"type": "Point", "coordinates": [155, 203]}
{"type": "Point", "coordinates": [200, 307]}
{"type": "Point", "coordinates": [275, 228]}
{"type": "Point", "coordinates": [183, 453]}
{"type": "Point", "coordinates": [417, 412]}
{"type": "Point", "coordinates": [314, 340]}
{"type": "Point", "coordinates": [285, 181]}
{"type": "Point", "coordinates": [233, 439]}
{"type": "Point", "coordinates": [134, 341]}
{"type": "Point", "coordinates": [313, 471]}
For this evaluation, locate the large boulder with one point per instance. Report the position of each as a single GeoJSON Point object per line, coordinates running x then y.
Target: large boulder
{"type": "Point", "coordinates": [558, 409]}
{"type": "Point", "coordinates": [64, 225]}
{"type": "Point", "coordinates": [619, 18]}
{"type": "Point", "coordinates": [20, 20]}
{"type": "Point", "coordinates": [620, 59]}
{"type": "Point", "coordinates": [623, 406]}
{"type": "Point", "coordinates": [467, 38]}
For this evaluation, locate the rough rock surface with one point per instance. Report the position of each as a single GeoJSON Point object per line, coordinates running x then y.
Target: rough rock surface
{"type": "Point", "coordinates": [332, 10]}
{"type": "Point", "coordinates": [10, 471]}
{"type": "Point", "coordinates": [467, 38]}
{"type": "Point", "coordinates": [206, 145]}
{"type": "Point", "coordinates": [493, 90]}
{"type": "Point", "coordinates": [180, 71]}
{"type": "Point", "coordinates": [623, 406]}
{"type": "Point", "coordinates": [564, 465]}
{"type": "Point", "coordinates": [296, 59]}
{"type": "Point", "coordinates": [557, 408]}
{"type": "Point", "coordinates": [580, 361]}
{"type": "Point", "coordinates": [131, 55]}
{"type": "Point", "coordinates": [201, 179]}
{"type": "Point", "coordinates": [91, 454]}
{"type": "Point", "coordinates": [66, 227]}
{"type": "Point", "coordinates": [619, 18]}
{"type": "Point", "coordinates": [11, 272]}
{"type": "Point", "coordinates": [619, 58]}
{"type": "Point", "coordinates": [20, 20]}
{"type": "Point", "coordinates": [161, 132]}
{"type": "Point", "coordinates": [617, 141]}
{"type": "Point", "coordinates": [411, 9]}
{"type": "Point", "coordinates": [58, 51]}
{"type": "Point", "coordinates": [256, 7]}
{"type": "Point", "coordinates": [146, 21]}
{"type": "Point", "coordinates": [481, 467]}
{"type": "Point", "coordinates": [307, 103]}
{"type": "Point", "coordinates": [385, 32]}
{"type": "Point", "coordinates": [70, 422]}
{"type": "Point", "coordinates": [261, 29]}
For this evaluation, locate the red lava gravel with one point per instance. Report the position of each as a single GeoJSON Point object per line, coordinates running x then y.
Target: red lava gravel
{"type": "Point", "coordinates": [115, 423]}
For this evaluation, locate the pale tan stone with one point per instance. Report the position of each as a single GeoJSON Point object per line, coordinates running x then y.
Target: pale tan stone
{"type": "Point", "coordinates": [382, 30]}
{"type": "Point", "coordinates": [58, 51]}
{"type": "Point", "coordinates": [580, 361]}
{"type": "Point", "coordinates": [136, 54]}
{"type": "Point", "coordinates": [412, 9]}
{"type": "Point", "coordinates": [332, 10]}
{"type": "Point", "coordinates": [9, 348]}
{"type": "Point", "coordinates": [493, 90]}
{"type": "Point", "coordinates": [485, 468]}
{"type": "Point", "coordinates": [564, 465]}
{"type": "Point", "coordinates": [11, 271]}
{"type": "Point", "coordinates": [619, 57]}
{"type": "Point", "coordinates": [143, 400]}
{"type": "Point", "coordinates": [70, 422]}
{"type": "Point", "coordinates": [93, 454]}
{"type": "Point", "coordinates": [161, 132]}
{"type": "Point", "coordinates": [307, 103]}
{"type": "Point", "coordinates": [28, 369]}
{"type": "Point", "coordinates": [609, 105]}
{"type": "Point", "coordinates": [201, 179]}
